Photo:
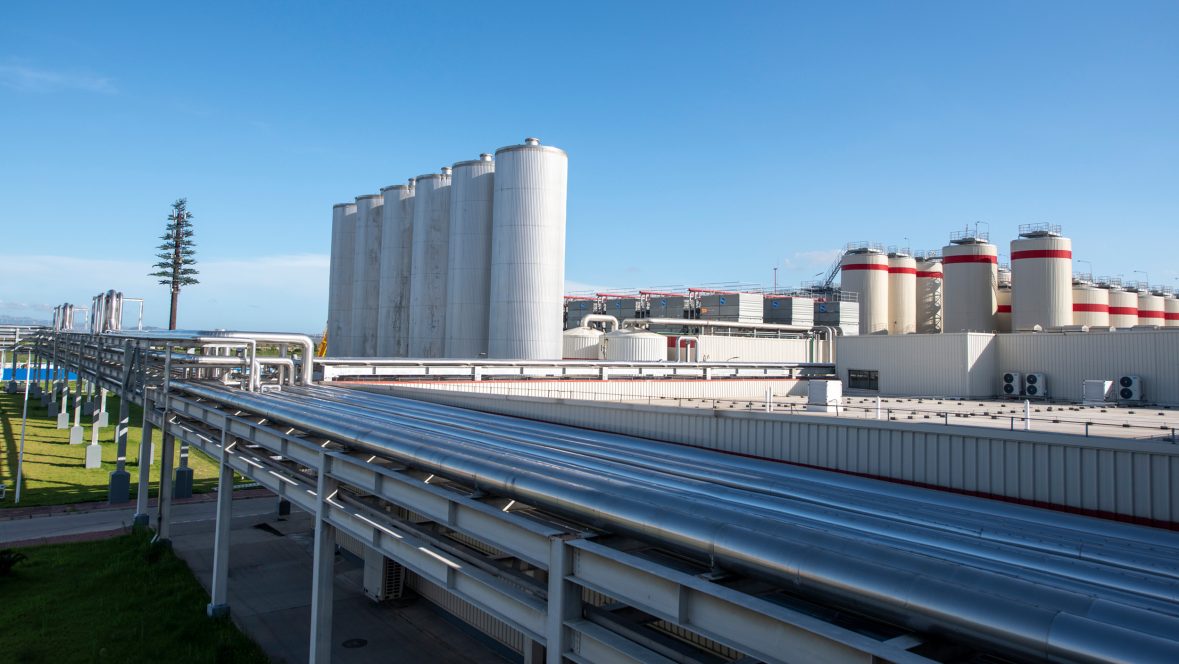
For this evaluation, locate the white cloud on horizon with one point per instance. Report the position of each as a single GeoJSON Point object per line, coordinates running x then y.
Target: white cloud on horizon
{"type": "Point", "coordinates": [24, 78]}
{"type": "Point", "coordinates": [284, 292]}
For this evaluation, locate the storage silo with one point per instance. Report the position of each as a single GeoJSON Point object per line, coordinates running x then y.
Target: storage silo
{"type": "Point", "coordinates": [528, 251]}
{"type": "Point", "coordinates": [1123, 305]}
{"type": "Point", "coordinates": [1090, 305]}
{"type": "Point", "coordinates": [969, 264]}
{"type": "Point", "coordinates": [1150, 307]}
{"type": "Point", "coordinates": [864, 270]}
{"type": "Point", "coordinates": [1042, 268]}
{"type": "Point", "coordinates": [581, 343]}
{"type": "Point", "coordinates": [340, 280]}
{"type": "Point", "coordinates": [366, 275]}
{"type": "Point", "coordinates": [396, 257]}
{"type": "Point", "coordinates": [1003, 307]}
{"type": "Point", "coordinates": [902, 293]}
{"type": "Point", "coordinates": [630, 345]}
{"type": "Point", "coordinates": [1171, 310]}
{"type": "Point", "coordinates": [467, 299]}
{"type": "Point", "coordinates": [929, 295]}
{"type": "Point", "coordinates": [428, 265]}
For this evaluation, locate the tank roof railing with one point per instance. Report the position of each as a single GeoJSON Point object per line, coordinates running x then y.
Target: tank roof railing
{"type": "Point", "coordinates": [862, 247]}
{"type": "Point", "coordinates": [1160, 289]}
{"type": "Point", "coordinates": [969, 236]}
{"type": "Point", "coordinates": [1039, 230]}
{"type": "Point", "coordinates": [897, 250]}
{"type": "Point", "coordinates": [1083, 278]}
{"type": "Point", "coordinates": [927, 254]}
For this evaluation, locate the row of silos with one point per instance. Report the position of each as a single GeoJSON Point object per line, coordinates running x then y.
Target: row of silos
{"type": "Point", "coordinates": [897, 293]}
{"type": "Point", "coordinates": [464, 263]}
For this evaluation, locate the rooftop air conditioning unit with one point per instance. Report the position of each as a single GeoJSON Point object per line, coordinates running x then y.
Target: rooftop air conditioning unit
{"type": "Point", "coordinates": [1035, 385]}
{"type": "Point", "coordinates": [1011, 385]}
{"type": "Point", "coordinates": [1129, 388]}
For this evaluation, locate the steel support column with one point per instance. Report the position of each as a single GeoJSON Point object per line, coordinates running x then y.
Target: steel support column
{"type": "Point", "coordinates": [219, 595]}
{"type": "Point", "coordinates": [164, 521]}
{"type": "Point", "coordinates": [141, 516]}
{"type": "Point", "coordinates": [564, 600]}
{"type": "Point", "coordinates": [323, 568]}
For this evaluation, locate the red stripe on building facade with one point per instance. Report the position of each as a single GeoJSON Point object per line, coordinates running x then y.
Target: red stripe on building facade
{"type": "Point", "coordinates": [865, 266]}
{"type": "Point", "coordinates": [930, 275]}
{"type": "Point", "coordinates": [1123, 311]}
{"type": "Point", "coordinates": [902, 270]}
{"type": "Point", "coordinates": [1099, 308]}
{"type": "Point", "coordinates": [1004, 308]}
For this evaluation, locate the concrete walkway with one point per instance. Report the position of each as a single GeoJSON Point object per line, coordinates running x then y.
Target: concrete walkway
{"type": "Point", "coordinates": [270, 586]}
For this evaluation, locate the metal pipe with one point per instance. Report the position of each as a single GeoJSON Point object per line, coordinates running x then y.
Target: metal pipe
{"type": "Point", "coordinates": [1018, 616]}
{"type": "Point", "coordinates": [599, 318]}
{"type": "Point", "coordinates": [709, 324]}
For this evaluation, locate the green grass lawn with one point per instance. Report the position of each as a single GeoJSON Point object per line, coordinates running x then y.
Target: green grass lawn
{"type": "Point", "coordinates": [116, 600]}
{"type": "Point", "coordinates": [54, 470]}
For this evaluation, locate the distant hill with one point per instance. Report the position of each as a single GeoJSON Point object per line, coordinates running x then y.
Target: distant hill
{"type": "Point", "coordinates": [21, 320]}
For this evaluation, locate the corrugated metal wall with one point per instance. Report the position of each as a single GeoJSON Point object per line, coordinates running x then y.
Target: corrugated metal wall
{"type": "Point", "coordinates": [950, 365]}
{"type": "Point", "coordinates": [718, 348]}
{"type": "Point", "coordinates": [626, 390]}
{"type": "Point", "coordinates": [1070, 359]}
{"type": "Point", "coordinates": [1126, 478]}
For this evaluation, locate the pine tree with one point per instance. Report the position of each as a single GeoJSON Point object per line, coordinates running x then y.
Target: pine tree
{"type": "Point", "coordinates": [175, 268]}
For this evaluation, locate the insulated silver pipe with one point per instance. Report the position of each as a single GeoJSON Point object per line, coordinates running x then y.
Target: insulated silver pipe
{"type": "Point", "coordinates": [1016, 616]}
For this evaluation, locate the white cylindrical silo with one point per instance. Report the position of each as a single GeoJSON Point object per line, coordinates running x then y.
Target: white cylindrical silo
{"type": "Point", "coordinates": [628, 345]}
{"type": "Point", "coordinates": [1150, 308]}
{"type": "Point", "coordinates": [469, 281]}
{"type": "Point", "coordinates": [929, 296]}
{"type": "Point", "coordinates": [528, 252]}
{"type": "Point", "coordinates": [581, 343]}
{"type": "Point", "coordinates": [969, 298]}
{"type": "Point", "coordinates": [1042, 274]}
{"type": "Point", "coordinates": [1003, 307]}
{"type": "Point", "coordinates": [902, 294]}
{"type": "Point", "coordinates": [431, 249]}
{"type": "Point", "coordinates": [1123, 307]}
{"type": "Point", "coordinates": [366, 275]}
{"type": "Point", "coordinates": [1090, 305]}
{"type": "Point", "coordinates": [865, 271]}
{"type": "Point", "coordinates": [1171, 310]}
{"type": "Point", "coordinates": [339, 328]}
{"type": "Point", "coordinates": [396, 254]}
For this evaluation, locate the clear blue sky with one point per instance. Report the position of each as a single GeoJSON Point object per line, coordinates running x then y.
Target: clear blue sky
{"type": "Point", "coordinates": [707, 142]}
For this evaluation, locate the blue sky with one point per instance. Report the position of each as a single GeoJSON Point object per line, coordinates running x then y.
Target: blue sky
{"type": "Point", "coordinates": [708, 142]}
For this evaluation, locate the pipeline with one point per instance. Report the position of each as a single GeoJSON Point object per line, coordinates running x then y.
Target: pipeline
{"type": "Point", "coordinates": [1018, 616]}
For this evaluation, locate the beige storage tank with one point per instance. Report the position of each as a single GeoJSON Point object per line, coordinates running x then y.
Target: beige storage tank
{"type": "Point", "coordinates": [1042, 267]}
{"type": "Point", "coordinates": [1171, 310]}
{"type": "Point", "coordinates": [1003, 308]}
{"type": "Point", "coordinates": [1150, 308]}
{"type": "Point", "coordinates": [1123, 306]}
{"type": "Point", "coordinates": [969, 265]}
{"type": "Point", "coordinates": [1090, 305]}
{"type": "Point", "coordinates": [902, 293]}
{"type": "Point", "coordinates": [581, 343]}
{"type": "Point", "coordinates": [864, 270]}
{"type": "Point", "coordinates": [929, 295]}
{"type": "Point", "coordinates": [630, 345]}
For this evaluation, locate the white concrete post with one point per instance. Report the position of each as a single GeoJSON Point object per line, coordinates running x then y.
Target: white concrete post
{"type": "Point", "coordinates": [323, 569]}
{"type": "Point", "coordinates": [1027, 415]}
{"type": "Point", "coordinates": [76, 430]}
{"type": "Point", "coordinates": [877, 407]}
{"type": "Point", "coordinates": [94, 450]}
{"type": "Point", "coordinates": [219, 600]}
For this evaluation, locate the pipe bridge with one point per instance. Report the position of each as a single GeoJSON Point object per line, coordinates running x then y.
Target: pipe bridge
{"type": "Point", "coordinates": [595, 547]}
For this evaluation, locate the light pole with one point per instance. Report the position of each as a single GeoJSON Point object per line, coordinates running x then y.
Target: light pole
{"type": "Point", "coordinates": [775, 278]}
{"type": "Point", "coordinates": [1145, 274]}
{"type": "Point", "coordinates": [1081, 260]}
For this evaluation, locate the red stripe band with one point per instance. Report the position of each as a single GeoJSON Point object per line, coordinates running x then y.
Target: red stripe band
{"type": "Point", "coordinates": [864, 266]}
{"type": "Point", "coordinates": [1123, 311]}
{"type": "Point", "coordinates": [1004, 308]}
{"type": "Point", "coordinates": [902, 270]}
{"type": "Point", "coordinates": [1041, 253]}
{"type": "Point", "coordinates": [970, 258]}
{"type": "Point", "coordinates": [930, 275]}
{"type": "Point", "coordinates": [1098, 308]}
{"type": "Point", "coordinates": [1150, 314]}
{"type": "Point", "coordinates": [1172, 315]}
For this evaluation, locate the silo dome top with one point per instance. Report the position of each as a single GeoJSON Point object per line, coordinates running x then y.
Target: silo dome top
{"type": "Point", "coordinates": [342, 205]}
{"type": "Point", "coordinates": [483, 158]}
{"type": "Point", "coordinates": [530, 144]}
{"type": "Point", "coordinates": [367, 196]}
{"type": "Point", "coordinates": [395, 186]}
{"type": "Point", "coordinates": [446, 170]}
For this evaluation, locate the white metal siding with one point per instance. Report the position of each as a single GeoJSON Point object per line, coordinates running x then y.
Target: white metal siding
{"type": "Point", "coordinates": [626, 390]}
{"type": "Point", "coordinates": [366, 275]}
{"type": "Point", "coordinates": [719, 348]}
{"type": "Point", "coordinates": [1071, 358]}
{"type": "Point", "coordinates": [427, 289]}
{"type": "Point", "coordinates": [950, 365]}
{"type": "Point", "coordinates": [396, 254]}
{"type": "Point", "coordinates": [469, 279]}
